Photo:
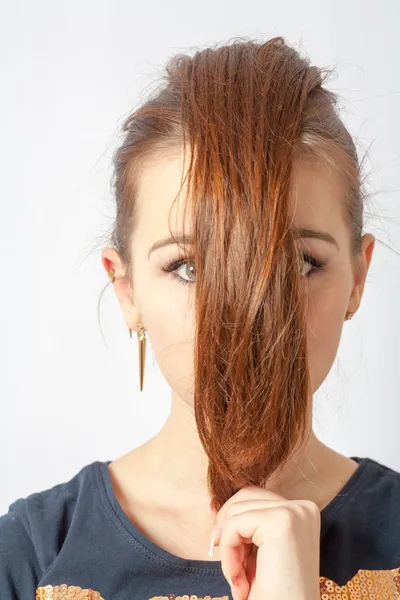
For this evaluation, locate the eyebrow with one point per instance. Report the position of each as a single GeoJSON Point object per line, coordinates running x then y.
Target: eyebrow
{"type": "Point", "coordinates": [301, 232]}
{"type": "Point", "coordinates": [304, 232]}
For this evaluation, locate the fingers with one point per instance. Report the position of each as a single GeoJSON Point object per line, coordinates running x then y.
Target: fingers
{"type": "Point", "coordinates": [235, 542]}
{"type": "Point", "coordinates": [252, 492]}
{"type": "Point", "coordinates": [256, 528]}
{"type": "Point", "coordinates": [235, 527]}
{"type": "Point", "coordinates": [238, 507]}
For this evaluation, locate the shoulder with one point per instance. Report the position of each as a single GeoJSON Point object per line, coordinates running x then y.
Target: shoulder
{"type": "Point", "coordinates": [48, 507]}
{"type": "Point", "coordinates": [362, 525]}
{"type": "Point", "coordinates": [34, 528]}
{"type": "Point", "coordinates": [377, 503]}
{"type": "Point", "coordinates": [379, 478]}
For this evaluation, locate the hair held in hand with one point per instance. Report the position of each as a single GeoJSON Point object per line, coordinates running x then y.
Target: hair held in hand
{"type": "Point", "coordinates": [243, 113]}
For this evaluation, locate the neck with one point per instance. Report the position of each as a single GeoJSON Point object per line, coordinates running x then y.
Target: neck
{"type": "Point", "coordinates": [174, 466]}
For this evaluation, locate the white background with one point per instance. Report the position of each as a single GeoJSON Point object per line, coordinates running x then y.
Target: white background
{"type": "Point", "coordinates": [70, 73]}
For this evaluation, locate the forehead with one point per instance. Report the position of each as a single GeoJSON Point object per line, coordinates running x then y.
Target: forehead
{"type": "Point", "coordinates": [316, 198]}
{"type": "Point", "coordinates": [158, 186]}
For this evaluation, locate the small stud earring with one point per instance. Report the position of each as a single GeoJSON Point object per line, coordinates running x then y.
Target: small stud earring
{"type": "Point", "coordinates": [349, 315]}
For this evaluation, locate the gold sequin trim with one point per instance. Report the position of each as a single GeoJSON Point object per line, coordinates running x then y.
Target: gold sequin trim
{"type": "Point", "coordinates": [66, 592]}
{"type": "Point", "coordinates": [366, 584]}
{"type": "Point", "coordinates": [381, 584]}
{"type": "Point", "coordinates": [186, 597]}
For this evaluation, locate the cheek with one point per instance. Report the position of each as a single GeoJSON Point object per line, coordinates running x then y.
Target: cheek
{"type": "Point", "coordinates": [170, 325]}
{"type": "Point", "coordinates": [169, 319]}
{"type": "Point", "coordinates": [324, 329]}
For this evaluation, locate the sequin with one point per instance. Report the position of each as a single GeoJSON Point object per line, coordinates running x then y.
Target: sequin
{"type": "Point", "coordinates": [193, 597]}
{"type": "Point", "coordinates": [366, 584]}
{"type": "Point", "coordinates": [66, 592]}
{"type": "Point", "coordinates": [383, 584]}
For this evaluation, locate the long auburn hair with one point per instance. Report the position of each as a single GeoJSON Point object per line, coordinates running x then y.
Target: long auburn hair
{"type": "Point", "coordinates": [244, 111]}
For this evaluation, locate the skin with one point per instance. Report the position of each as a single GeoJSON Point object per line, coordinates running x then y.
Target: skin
{"type": "Point", "coordinates": [161, 485]}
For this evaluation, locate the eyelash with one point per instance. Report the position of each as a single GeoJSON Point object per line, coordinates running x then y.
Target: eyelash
{"type": "Point", "coordinates": [174, 265]}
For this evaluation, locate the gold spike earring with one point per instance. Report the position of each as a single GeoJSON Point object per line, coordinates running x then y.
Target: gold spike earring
{"type": "Point", "coordinates": [141, 339]}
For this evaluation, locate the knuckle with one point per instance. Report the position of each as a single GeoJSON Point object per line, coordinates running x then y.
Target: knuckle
{"type": "Point", "coordinates": [310, 508]}
{"type": "Point", "coordinates": [229, 522]}
{"type": "Point", "coordinates": [287, 517]}
{"type": "Point", "coordinates": [229, 512]}
{"type": "Point", "coordinates": [291, 514]}
{"type": "Point", "coordinates": [228, 526]}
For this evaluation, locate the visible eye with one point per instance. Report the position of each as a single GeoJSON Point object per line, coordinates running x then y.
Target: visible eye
{"type": "Point", "coordinates": [315, 263]}
{"type": "Point", "coordinates": [175, 265]}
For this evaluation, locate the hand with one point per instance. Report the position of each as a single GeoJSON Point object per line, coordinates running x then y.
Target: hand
{"type": "Point", "coordinates": [269, 546]}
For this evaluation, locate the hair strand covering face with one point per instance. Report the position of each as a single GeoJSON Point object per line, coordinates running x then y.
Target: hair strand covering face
{"type": "Point", "coordinates": [243, 111]}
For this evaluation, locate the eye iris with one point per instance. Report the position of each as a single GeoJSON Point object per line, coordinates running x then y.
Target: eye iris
{"type": "Point", "coordinates": [191, 267]}
{"type": "Point", "coordinates": [313, 263]}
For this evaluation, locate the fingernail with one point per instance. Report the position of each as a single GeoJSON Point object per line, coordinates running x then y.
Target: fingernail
{"type": "Point", "coordinates": [211, 550]}
{"type": "Point", "coordinates": [214, 532]}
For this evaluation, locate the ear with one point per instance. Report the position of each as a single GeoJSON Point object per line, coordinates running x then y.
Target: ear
{"type": "Point", "coordinates": [111, 260]}
{"type": "Point", "coordinates": [363, 263]}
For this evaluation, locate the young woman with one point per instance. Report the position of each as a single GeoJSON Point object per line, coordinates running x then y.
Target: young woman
{"type": "Point", "coordinates": [244, 300]}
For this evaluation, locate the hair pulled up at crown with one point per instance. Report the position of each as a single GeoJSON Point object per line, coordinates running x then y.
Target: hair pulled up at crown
{"type": "Point", "coordinates": [243, 113]}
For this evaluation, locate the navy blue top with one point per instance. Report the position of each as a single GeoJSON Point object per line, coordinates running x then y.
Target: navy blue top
{"type": "Point", "coordinates": [77, 534]}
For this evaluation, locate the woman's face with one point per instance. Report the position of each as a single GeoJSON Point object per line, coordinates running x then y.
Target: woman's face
{"type": "Point", "coordinates": [163, 300]}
